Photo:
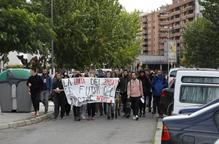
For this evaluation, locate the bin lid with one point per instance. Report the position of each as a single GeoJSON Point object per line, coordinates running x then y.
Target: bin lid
{"type": "Point", "coordinates": [15, 73]}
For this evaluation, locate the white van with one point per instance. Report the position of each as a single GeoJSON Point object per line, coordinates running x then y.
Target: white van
{"type": "Point", "coordinates": [194, 88]}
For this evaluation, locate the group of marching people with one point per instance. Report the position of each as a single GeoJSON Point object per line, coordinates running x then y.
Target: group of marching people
{"type": "Point", "coordinates": [134, 94]}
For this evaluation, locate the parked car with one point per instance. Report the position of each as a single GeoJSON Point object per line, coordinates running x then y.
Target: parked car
{"type": "Point", "coordinates": [200, 127]}
{"type": "Point", "coordinates": [191, 110]}
{"type": "Point", "coordinates": [191, 88]}
{"type": "Point", "coordinates": [194, 88]}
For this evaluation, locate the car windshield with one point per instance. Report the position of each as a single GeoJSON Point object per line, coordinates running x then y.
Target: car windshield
{"type": "Point", "coordinates": [173, 73]}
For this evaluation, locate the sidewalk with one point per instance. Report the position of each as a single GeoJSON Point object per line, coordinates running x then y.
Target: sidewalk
{"type": "Point", "coordinates": [14, 120]}
{"type": "Point", "coordinates": [158, 133]}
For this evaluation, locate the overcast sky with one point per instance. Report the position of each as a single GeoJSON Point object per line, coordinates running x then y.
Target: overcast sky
{"type": "Point", "coordinates": [143, 5]}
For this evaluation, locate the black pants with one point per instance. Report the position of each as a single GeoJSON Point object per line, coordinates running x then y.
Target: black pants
{"type": "Point", "coordinates": [67, 107]}
{"type": "Point", "coordinates": [77, 112]}
{"type": "Point", "coordinates": [124, 102]}
{"type": "Point", "coordinates": [35, 98]}
{"type": "Point", "coordinates": [59, 101]}
{"type": "Point", "coordinates": [149, 96]}
{"type": "Point", "coordinates": [91, 108]}
{"type": "Point", "coordinates": [110, 110]}
{"type": "Point", "coordinates": [143, 105]}
{"type": "Point", "coordinates": [135, 101]}
{"type": "Point", "coordinates": [156, 104]}
{"type": "Point", "coordinates": [100, 108]}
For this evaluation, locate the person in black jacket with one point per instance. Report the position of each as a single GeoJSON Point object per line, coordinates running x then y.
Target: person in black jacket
{"type": "Point", "coordinates": [59, 96]}
{"type": "Point", "coordinates": [35, 84]}
{"type": "Point", "coordinates": [67, 105]}
{"type": "Point", "coordinates": [146, 90]}
{"type": "Point", "coordinates": [122, 86]}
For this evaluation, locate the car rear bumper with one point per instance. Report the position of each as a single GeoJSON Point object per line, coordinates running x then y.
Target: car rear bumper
{"type": "Point", "coordinates": [166, 142]}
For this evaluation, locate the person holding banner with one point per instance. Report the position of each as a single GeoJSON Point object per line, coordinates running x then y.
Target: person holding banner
{"type": "Point", "coordinates": [67, 105]}
{"type": "Point", "coordinates": [109, 106]}
{"type": "Point", "coordinates": [59, 97]}
{"type": "Point", "coordinates": [123, 92]}
{"type": "Point", "coordinates": [77, 109]}
{"type": "Point", "coordinates": [135, 93]}
{"type": "Point", "coordinates": [91, 107]}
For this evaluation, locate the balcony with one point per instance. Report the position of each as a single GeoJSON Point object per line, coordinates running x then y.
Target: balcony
{"type": "Point", "coordinates": [192, 15]}
{"type": "Point", "coordinates": [171, 21]}
{"type": "Point", "coordinates": [164, 16]}
{"type": "Point", "coordinates": [162, 41]}
{"type": "Point", "coordinates": [163, 23]}
{"type": "Point", "coordinates": [176, 12]}
{"type": "Point", "coordinates": [163, 29]}
{"type": "Point", "coordinates": [189, 8]}
{"type": "Point", "coordinates": [176, 27]}
{"type": "Point", "coordinates": [176, 19]}
{"type": "Point", "coordinates": [162, 35]}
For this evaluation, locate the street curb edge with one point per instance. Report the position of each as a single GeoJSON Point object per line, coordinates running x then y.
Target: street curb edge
{"type": "Point", "coordinates": [26, 122]}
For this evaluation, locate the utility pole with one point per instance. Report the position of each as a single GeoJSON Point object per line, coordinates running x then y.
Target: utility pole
{"type": "Point", "coordinates": [52, 42]}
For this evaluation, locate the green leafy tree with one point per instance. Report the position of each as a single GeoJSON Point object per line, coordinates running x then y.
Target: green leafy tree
{"type": "Point", "coordinates": [21, 30]}
{"type": "Point", "coordinates": [201, 41]}
{"type": "Point", "coordinates": [94, 32]}
{"type": "Point", "coordinates": [211, 10]}
{"type": "Point", "coordinates": [202, 37]}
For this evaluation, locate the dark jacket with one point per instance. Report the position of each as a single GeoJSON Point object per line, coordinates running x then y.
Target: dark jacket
{"type": "Point", "coordinates": [36, 84]}
{"type": "Point", "coordinates": [123, 84]}
{"type": "Point", "coordinates": [47, 82]}
{"type": "Point", "coordinates": [158, 84]}
{"type": "Point", "coordinates": [146, 82]}
{"type": "Point", "coordinates": [58, 84]}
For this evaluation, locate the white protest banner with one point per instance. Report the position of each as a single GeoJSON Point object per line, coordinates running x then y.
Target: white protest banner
{"type": "Point", "coordinates": [84, 90]}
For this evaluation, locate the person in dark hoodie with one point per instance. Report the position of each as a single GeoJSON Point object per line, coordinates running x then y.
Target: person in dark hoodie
{"type": "Point", "coordinates": [122, 86]}
{"type": "Point", "coordinates": [146, 90]}
{"type": "Point", "coordinates": [35, 85]}
{"type": "Point", "coordinates": [158, 84]}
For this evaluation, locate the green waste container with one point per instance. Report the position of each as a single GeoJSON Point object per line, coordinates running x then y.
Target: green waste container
{"type": "Point", "coordinates": [14, 91]}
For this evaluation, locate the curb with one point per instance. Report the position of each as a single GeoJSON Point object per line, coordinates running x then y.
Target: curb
{"type": "Point", "coordinates": [26, 122]}
{"type": "Point", "coordinates": [158, 133]}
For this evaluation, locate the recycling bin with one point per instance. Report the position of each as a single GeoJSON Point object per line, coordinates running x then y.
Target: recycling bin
{"type": "Point", "coordinates": [14, 91]}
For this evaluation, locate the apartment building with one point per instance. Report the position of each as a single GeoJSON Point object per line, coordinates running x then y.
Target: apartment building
{"type": "Point", "coordinates": [180, 13]}
{"type": "Point", "coordinates": [167, 23]}
{"type": "Point", "coordinates": [150, 33]}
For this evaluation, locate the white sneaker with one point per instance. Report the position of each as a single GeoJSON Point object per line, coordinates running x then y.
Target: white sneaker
{"type": "Point", "coordinates": [134, 118]}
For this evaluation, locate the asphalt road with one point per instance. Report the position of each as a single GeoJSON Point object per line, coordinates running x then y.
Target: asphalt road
{"type": "Point", "coordinates": [99, 131]}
